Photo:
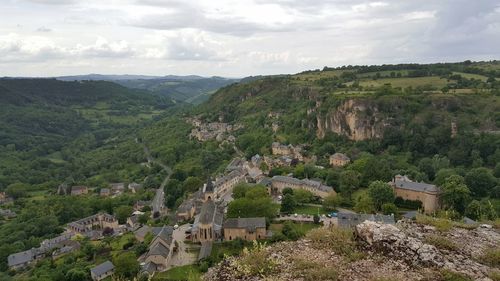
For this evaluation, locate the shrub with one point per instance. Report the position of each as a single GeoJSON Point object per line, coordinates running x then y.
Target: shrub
{"type": "Point", "coordinates": [255, 261]}
{"type": "Point", "coordinates": [495, 275]}
{"type": "Point", "coordinates": [446, 275]}
{"type": "Point", "coordinates": [441, 242]}
{"type": "Point", "coordinates": [491, 257]}
{"type": "Point", "coordinates": [341, 241]}
{"type": "Point", "coordinates": [439, 224]}
{"type": "Point", "coordinates": [313, 271]}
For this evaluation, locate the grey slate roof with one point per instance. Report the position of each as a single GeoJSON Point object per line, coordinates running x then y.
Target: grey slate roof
{"type": "Point", "coordinates": [20, 258]}
{"type": "Point", "coordinates": [160, 250]}
{"type": "Point", "coordinates": [340, 156]}
{"type": "Point", "coordinates": [286, 179]}
{"type": "Point", "coordinates": [209, 187]}
{"type": "Point", "coordinates": [415, 186]}
{"type": "Point", "coordinates": [104, 267]}
{"type": "Point", "coordinates": [249, 224]}
{"type": "Point", "coordinates": [348, 220]}
{"type": "Point", "coordinates": [207, 212]}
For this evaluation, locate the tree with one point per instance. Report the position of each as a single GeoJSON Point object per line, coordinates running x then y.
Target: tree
{"type": "Point", "coordinates": [473, 210]}
{"type": "Point", "coordinates": [122, 213]}
{"type": "Point", "coordinates": [381, 193]}
{"type": "Point", "coordinates": [257, 191]}
{"type": "Point", "coordinates": [17, 190]}
{"type": "Point", "coordinates": [389, 209]}
{"type": "Point", "coordinates": [290, 231]}
{"type": "Point", "coordinates": [480, 181]}
{"type": "Point", "coordinates": [316, 218]}
{"type": "Point", "coordinates": [364, 204]}
{"type": "Point", "coordinates": [302, 196]}
{"type": "Point", "coordinates": [126, 265]}
{"type": "Point", "coordinates": [288, 204]}
{"type": "Point", "coordinates": [76, 274]}
{"type": "Point", "coordinates": [287, 190]}
{"type": "Point", "coordinates": [348, 182]}
{"type": "Point", "coordinates": [442, 175]}
{"type": "Point", "coordinates": [331, 201]}
{"type": "Point", "coordinates": [240, 190]}
{"type": "Point", "coordinates": [191, 184]}
{"type": "Point", "coordinates": [455, 194]}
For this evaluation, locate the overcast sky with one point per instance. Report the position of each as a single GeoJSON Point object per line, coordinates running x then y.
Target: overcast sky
{"type": "Point", "coordinates": [238, 38]}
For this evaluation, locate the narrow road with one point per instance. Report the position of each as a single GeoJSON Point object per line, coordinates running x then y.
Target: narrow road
{"type": "Point", "coordinates": [159, 199]}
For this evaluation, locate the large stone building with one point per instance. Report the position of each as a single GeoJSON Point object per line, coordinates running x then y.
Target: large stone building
{"type": "Point", "coordinates": [278, 183]}
{"type": "Point", "coordinates": [102, 271]}
{"type": "Point", "coordinates": [407, 189]}
{"type": "Point", "coordinates": [208, 224]}
{"type": "Point", "coordinates": [339, 160]}
{"type": "Point", "coordinates": [79, 190]}
{"type": "Point", "coordinates": [245, 228]}
{"type": "Point", "coordinates": [287, 150]}
{"type": "Point", "coordinates": [228, 182]}
{"type": "Point", "coordinates": [160, 250]}
{"type": "Point", "coordinates": [92, 226]}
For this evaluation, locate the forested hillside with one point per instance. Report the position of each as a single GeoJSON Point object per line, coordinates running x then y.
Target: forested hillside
{"type": "Point", "coordinates": [46, 123]}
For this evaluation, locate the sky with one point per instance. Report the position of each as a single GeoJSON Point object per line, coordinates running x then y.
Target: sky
{"type": "Point", "coordinates": [239, 38]}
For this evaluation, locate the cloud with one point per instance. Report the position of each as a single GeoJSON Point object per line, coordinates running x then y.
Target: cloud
{"type": "Point", "coordinates": [15, 48]}
{"type": "Point", "coordinates": [43, 29]}
{"type": "Point", "coordinates": [53, 2]}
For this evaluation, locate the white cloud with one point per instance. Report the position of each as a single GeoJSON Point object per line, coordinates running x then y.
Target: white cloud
{"type": "Point", "coordinates": [237, 38]}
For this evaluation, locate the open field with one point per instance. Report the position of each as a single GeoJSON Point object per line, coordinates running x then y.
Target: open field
{"type": "Point", "coordinates": [406, 82]}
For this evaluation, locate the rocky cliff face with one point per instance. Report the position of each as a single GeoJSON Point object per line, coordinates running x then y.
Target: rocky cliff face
{"type": "Point", "coordinates": [356, 119]}
{"type": "Point", "coordinates": [405, 251]}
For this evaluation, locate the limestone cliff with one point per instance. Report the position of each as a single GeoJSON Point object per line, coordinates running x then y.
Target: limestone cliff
{"type": "Point", "coordinates": [357, 119]}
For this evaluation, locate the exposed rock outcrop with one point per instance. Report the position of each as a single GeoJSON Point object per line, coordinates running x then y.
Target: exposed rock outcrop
{"type": "Point", "coordinates": [354, 118]}
{"type": "Point", "coordinates": [388, 252]}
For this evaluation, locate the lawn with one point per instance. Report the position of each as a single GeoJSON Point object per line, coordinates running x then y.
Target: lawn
{"type": "Point", "coordinates": [180, 273]}
{"type": "Point", "coordinates": [310, 210]}
{"type": "Point", "coordinates": [406, 82]}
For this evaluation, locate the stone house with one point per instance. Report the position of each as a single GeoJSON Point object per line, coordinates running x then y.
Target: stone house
{"type": "Point", "coordinates": [227, 182]}
{"type": "Point", "coordinates": [186, 210]}
{"type": "Point", "coordinates": [339, 160]}
{"type": "Point", "coordinates": [245, 228]}
{"type": "Point", "coordinates": [79, 190]}
{"type": "Point", "coordinates": [87, 226]}
{"type": "Point", "coordinates": [117, 188]}
{"type": "Point", "coordinates": [102, 271]}
{"type": "Point", "coordinates": [160, 250]}
{"type": "Point", "coordinates": [105, 192]}
{"type": "Point", "coordinates": [134, 187]}
{"type": "Point", "coordinates": [278, 183]}
{"type": "Point", "coordinates": [426, 193]}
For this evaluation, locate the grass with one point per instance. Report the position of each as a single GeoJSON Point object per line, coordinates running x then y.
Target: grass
{"type": "Point", "coordinates": [441, 242]}
{"type": "Point", "coordinates": [309, 210]}
{"type": "Point", "coordinates": [406, 82]}
{"type": "Point", "coordinates": [341, 241]}
{"type": "Point", "coordinates": [180, 273]}
{"type": "Point", "coordinates": [312, 271]}
{"type": "Point", "coordinates": [491, 257]}
{"type": "Point", "coordinates": [255, 261]}
{"type": "Point", "coordinates": [440, 224]}
{"type": "Point", "coordinates": [495, 275]}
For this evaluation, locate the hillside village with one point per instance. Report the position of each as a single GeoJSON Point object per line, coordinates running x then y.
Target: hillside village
{"type": "Point", "coordinates": [292, 171]}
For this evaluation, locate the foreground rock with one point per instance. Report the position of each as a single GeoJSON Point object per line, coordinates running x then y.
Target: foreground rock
{"type": "Point", "coordinates": [381, 252]}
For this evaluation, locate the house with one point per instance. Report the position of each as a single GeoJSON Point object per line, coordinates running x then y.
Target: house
{"type": "Point", "coordinates": [133, 221]}
{"type": "Point", "coordinates": [102, 271]}
{"type": "Point", "coordinates": [7, 213]}
{"type": "Point", "coordinates": [139, 205]}
{"type": "Point", "coordinates": [278, 183]}
{"type": "Point", "coordinates": [407, 189]}
{"type": "Point", "coordinates": [117, 188]}
{"type": "Point", "coordinates": [186, 210]}
{"type": "Point", "coordinates": [208, 224]}
{"type": "Point", "coordinates": [227, 182]}
{"type": "Point", "coordinates": [92, 226]}
{"type": "Point", "coordinates": [105, 192]}
{"type": "Point", "coordinates": [287, 150]}
{"type": "Point", "coordinates": [245, 228]}
{"type": "Point", "coordinates": [21, 259]}
{"type": "Point", "coordinates": [134, 187]}
{"type": "Point", "coordinates": [339, 160]}
{"type": "Point", "coordinates": [141, 233]}
{"type": "Point", "coordinates": [160, 250]}
{"type": "Point", "coordinates": [350, 220]}
{"type": "Point", "coordinates": [69, 247]}
{"type": "Point", "coordinates": [79, 190]}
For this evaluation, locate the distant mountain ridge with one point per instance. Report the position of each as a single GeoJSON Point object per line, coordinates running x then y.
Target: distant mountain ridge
{"type": "Point", "coordinates": [190, 88]}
